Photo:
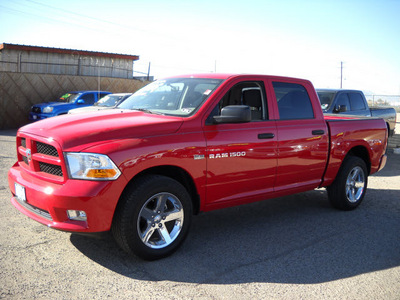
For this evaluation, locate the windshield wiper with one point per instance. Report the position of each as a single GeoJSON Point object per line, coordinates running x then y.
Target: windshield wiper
{"type": "Point", "coordinates": [147, 111]}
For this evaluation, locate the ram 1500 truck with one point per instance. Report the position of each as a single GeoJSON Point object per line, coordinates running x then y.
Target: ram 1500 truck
{"type": "Point", "coordinates": [189, 144]}
{"type": "Point", "coordinates": [65, 103]}
{"type": "Point", "coordinates": [353, 102]}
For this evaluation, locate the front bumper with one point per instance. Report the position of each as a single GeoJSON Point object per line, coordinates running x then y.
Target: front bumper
{"type": "Point", "coordinates": [47, 202]}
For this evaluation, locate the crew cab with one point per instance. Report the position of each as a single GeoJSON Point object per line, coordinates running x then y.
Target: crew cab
{"type": "Point", "coordinates": [65, 103]}
{"type": "Point", "coordinates": [185, 145]}
{"type": "Point", "coordinates": [353, 102]}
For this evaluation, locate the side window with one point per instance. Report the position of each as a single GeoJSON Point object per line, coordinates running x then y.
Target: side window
{"type": "Point", "coordinates": [342, 100]}
{"type": "Point", "coordinates": [293, 101]}
{"type": "Point", "coordinates": [356, 101]}
{"type": "Point", "coordinates": [245, 93]}
{"type": "Point", "coordinates": [89, 98]}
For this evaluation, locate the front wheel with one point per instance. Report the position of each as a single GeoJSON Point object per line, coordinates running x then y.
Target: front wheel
{"type": "Point", "coordinates": [153, 218]}
{"type": "Point", "coordinates": [350, 185]}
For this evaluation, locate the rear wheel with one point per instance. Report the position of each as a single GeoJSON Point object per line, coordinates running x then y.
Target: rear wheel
{"type": "Point", "coordinates": [153, 218]}
{"type": "Point", "coordinates": [349, 188]}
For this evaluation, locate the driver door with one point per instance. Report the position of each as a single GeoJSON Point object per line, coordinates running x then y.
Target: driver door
{"type": "Point", "coordinates": [241, 157]}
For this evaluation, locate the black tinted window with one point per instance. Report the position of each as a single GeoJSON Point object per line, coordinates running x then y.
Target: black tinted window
{"type": "Point", "coordinates": [89, 98]}
{"type": "Point", "coordinates": [293, 101]}
{"type": "Point", "coordinates": [357, 102]}
{"type": "Point", "coordinates": [343, 100]}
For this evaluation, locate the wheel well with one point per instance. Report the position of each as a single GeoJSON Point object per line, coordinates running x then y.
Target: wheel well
{"type": "Point", "coordinates": [362, 153]}
{"type": "Point", "coordinates": [389, 132]}
{"type": "Point", "coordinates": [179, 175]}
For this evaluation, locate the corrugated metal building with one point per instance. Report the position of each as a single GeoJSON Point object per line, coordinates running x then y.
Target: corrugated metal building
{"type": "Point", "coordinates": [45, 60]}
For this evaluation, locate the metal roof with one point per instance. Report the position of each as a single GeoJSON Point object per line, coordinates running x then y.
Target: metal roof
{"type": "Point", "coordinates": [66, 51]}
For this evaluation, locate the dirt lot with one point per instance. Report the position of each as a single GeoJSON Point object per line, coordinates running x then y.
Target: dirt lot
{"type": "Point", "coordinates": [294, 247]}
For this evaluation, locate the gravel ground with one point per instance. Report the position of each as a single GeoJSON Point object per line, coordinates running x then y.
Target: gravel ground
{"type": "Point", "coordinates": [295, 247]}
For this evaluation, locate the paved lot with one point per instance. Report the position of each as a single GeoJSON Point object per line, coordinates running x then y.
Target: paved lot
{"type": "Point", "coordinates": [294, 247]}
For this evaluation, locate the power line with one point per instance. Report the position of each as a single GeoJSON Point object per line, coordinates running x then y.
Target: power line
{"type": "Point", "coordinates": [83, 15]}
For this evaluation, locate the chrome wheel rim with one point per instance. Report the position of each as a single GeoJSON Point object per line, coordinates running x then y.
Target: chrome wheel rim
{"type": "Point", "coordinates": [160, 220]}
{"type": "Point", "coordinates": [355, 184]}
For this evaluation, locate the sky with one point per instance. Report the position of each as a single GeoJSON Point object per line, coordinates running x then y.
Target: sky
{"type": "Point", "coordinates": [305, 39]}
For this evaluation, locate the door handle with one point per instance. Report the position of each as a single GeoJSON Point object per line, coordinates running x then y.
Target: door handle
{"type": "Point", "coordinates": [318, 132]}
{"type": "Point", "coordinates": [266, 136]}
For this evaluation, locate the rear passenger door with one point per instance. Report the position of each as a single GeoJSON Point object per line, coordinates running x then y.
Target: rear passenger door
{"type": "Point", "coordinates": [302, 137]}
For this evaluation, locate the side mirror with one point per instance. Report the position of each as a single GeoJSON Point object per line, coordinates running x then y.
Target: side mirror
{"type": "Point", "coordinates": [80, 101]}
{"type": "Point", "coordinates": [233, 114]}
{"type": "Point", "coordinates": [340, 108]}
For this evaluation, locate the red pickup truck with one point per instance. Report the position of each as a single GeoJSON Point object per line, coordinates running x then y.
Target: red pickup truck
{"type": "Point", "coordinates": [189, 144]}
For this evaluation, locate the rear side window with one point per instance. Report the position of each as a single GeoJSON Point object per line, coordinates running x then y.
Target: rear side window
{"type": "Point", "coordinates": [356, 101]}
{"type": "Point", "coordinates": [293, 101]}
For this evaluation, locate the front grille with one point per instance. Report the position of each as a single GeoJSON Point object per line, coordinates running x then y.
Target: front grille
{"type": "Point", "coordinates": [36, 110]}
{"type": "Point", "coordinates": [50, 169]}
{"type": "Point", "coordinates": [37, 156]}
{"type": "Point", "coordinates": [46, 149]}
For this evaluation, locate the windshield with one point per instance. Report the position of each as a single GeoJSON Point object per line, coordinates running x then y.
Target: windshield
{"type": "Point", "coordinates": [110, 100]}
{"type": "Point", "coordinates": [68, 98]}
{"type": "Point", "coordinates": [175, 96]}
{"type": "Point", "coordinates": [325, 98]}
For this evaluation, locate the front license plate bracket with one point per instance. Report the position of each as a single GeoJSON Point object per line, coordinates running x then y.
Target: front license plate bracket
{"type": "Point", "coordinates": [20, 192]}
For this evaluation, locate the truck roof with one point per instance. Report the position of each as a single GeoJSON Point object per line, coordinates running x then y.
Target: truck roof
{"type": "Point", "coordinates": [337, 90]}
{"type": "Point", "coordinates": [230, 75]}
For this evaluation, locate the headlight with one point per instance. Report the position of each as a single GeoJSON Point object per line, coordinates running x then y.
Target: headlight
{"type": "Point", "coordinates": [48, 109]}
{"type": "Point", "coordinates": [91, 166]}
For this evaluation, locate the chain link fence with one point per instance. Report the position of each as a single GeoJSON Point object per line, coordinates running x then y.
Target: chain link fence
{"type": "Point", "coordinates": [19, 91]}
{"type": "Point", "coordinates": [384, 101]}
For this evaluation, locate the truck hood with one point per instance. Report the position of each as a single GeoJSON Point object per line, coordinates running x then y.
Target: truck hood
{"type": "Point", "coordinates": [79, 131]}
{"type": "Point", "coordinates": [44, 104]}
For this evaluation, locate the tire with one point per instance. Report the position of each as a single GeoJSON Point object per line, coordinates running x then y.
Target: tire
{"type": "Point", "coordinates": [349, 188]}
{"type": "Point", "coordinates": [153, 217]}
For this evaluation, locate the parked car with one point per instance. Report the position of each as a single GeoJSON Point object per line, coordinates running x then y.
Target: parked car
{"type": "Point", "coordinates": [107, 102]}
{"type": "Point", "coordinates": [190, 144]}
{"type": "Point", "coordinates": [65, 103]}
{"type": "Point", "coordinates": [353, 102]}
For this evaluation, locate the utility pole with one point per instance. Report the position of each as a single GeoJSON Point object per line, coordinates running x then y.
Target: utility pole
{"type": "Point", "coordinates": [341, 74]}
{"type": "Point", "coordinates": [148, 72]}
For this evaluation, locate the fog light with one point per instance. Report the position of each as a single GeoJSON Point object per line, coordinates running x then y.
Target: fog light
{"type": "Point", "coordinates": [76, 215]}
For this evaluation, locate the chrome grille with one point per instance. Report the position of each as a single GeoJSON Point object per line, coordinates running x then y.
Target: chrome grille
{"type": "Point", "coordinates": [38, 156]}
{"type": "Point", "coordinates": [46, 149]}
{"type": "Point", "coordinates": [50, 169]}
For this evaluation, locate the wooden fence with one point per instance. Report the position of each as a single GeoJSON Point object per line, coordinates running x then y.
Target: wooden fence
{"type": "Point", "coordinates": [19, 91]}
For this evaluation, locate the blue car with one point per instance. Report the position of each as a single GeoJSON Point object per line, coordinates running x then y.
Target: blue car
{"type": "Point", "coordinates": [65, 103]}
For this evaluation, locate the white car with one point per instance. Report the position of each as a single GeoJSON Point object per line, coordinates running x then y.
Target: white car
{"type": "Point", "coordinates": [107, 102]}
